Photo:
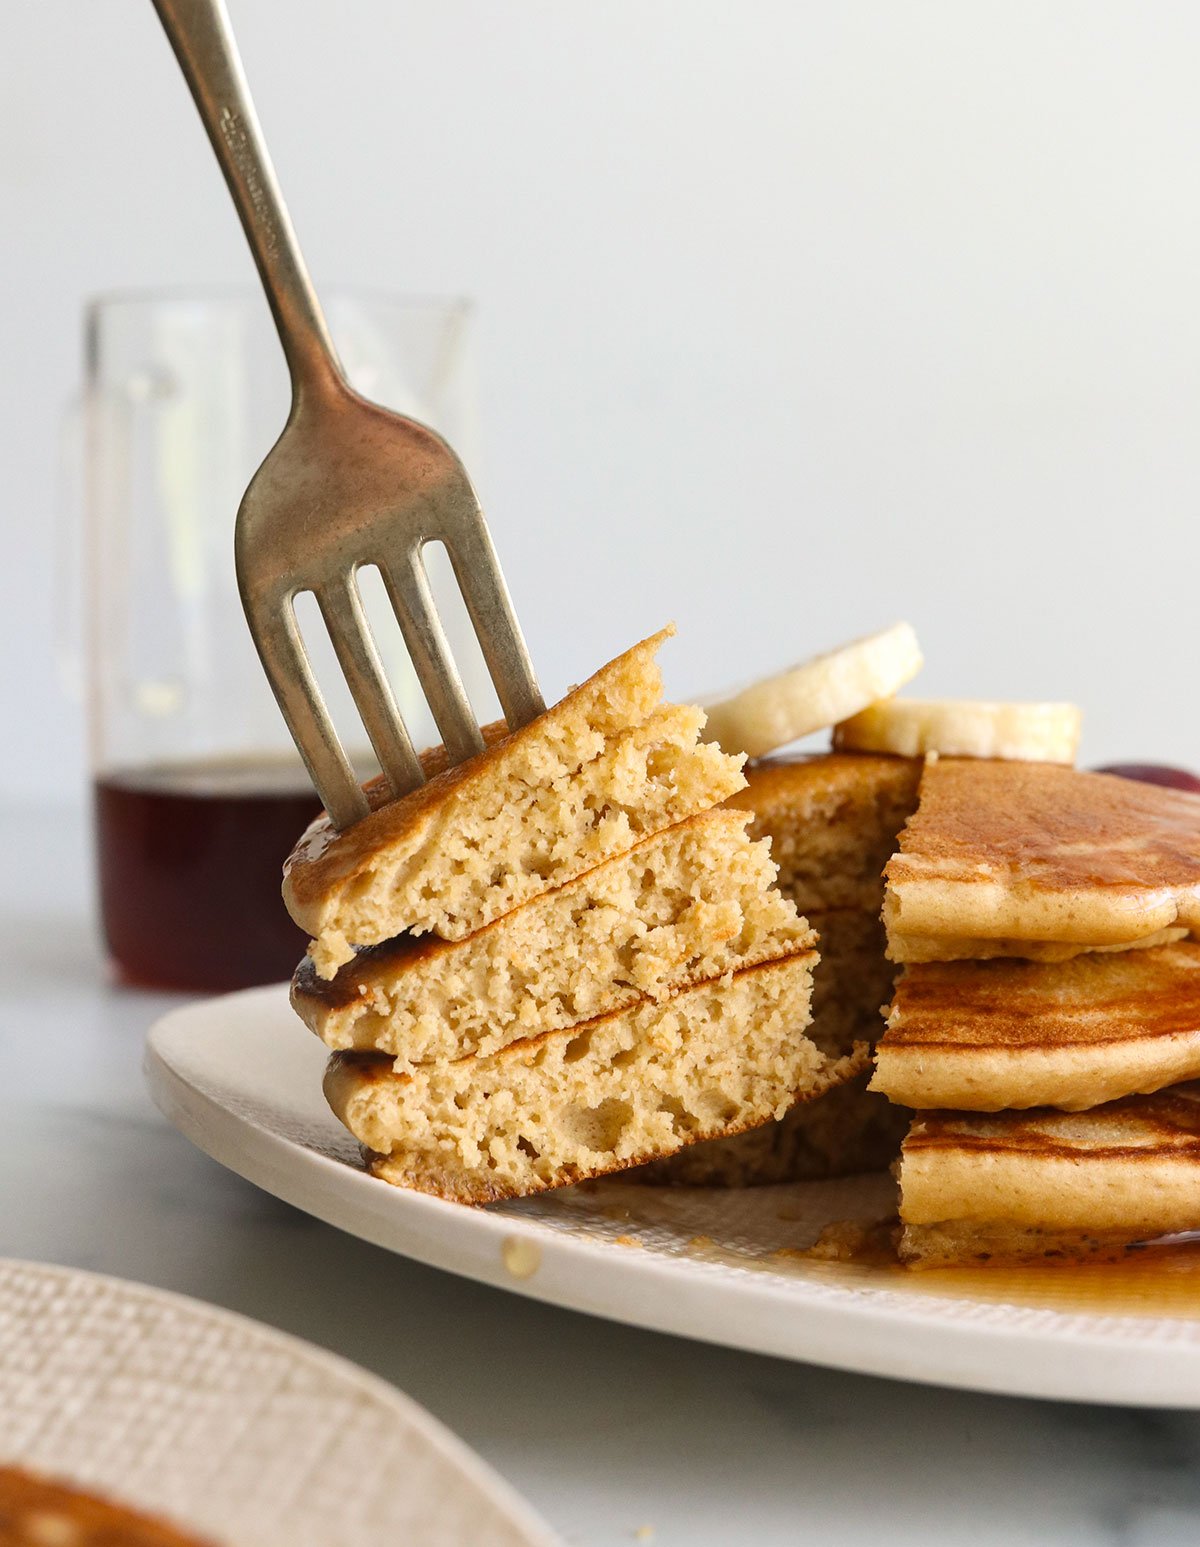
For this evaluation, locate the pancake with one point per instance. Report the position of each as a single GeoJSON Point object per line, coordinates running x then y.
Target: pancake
{"type": "Point", "coordinates": [602, 769]}
{"type": "Point", "coordinates": [624, 1088]}
{"type": "Point", "coordinates": [849, 1130]}
{"type": "Point", "coordinates": [35, 1512]}
{"type": "Point", "coordinates": [832, 821]}
{"type": "Point", "coordinates": [853, 980]}
{"type": "Point", "coordinates": [949, 948]}
{"type": "Point", "coordinates": [688, 904]}
{"type": "Point", "coordinates": [1035, 853]}
{"type": "Point", "coordinates": [1023, 1186]}
{"type": "Point", "coordinates": [986, 1036]}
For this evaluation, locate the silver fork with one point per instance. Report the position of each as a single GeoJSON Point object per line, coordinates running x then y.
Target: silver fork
{"type": "Point", "coordinates": [347, 484]}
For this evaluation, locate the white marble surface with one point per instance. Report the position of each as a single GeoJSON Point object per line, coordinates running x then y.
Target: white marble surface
{"type": "Point", "coordinates": [605, 1429]}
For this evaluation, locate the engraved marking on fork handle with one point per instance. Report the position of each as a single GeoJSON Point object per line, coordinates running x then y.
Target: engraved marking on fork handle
{"type": "Point", "coordinates": [233, 132]}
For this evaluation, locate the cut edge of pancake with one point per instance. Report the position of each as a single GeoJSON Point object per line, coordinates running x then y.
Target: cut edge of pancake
{"type": "Point", "coordinates": [474, 866]}
{"type": "Point", "coordinates": [600, 1097]}
{"type": "Point", "coordinates": [586, 779]}
{"type": "Point", "coordinates": [846, 1131]}
{"type": "Point", "coordinates": [838, 812]}
{"type": "Point", "coordinates": [691, 903]}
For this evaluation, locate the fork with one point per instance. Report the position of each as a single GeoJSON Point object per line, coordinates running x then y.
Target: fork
{"type": "Point", "coordinates": [347, 484]}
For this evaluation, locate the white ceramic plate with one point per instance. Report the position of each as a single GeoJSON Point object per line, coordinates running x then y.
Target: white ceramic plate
{"type": "Point", "coordinates": [227, 1428]}
{"type": "Point", "coordinates": [242, 1079]}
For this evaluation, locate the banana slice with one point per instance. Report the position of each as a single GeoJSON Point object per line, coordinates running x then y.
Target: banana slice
{"type": "Point", "coordinates": [1039, 733]}
{"type": "Point", "coordinates": [818, 693]}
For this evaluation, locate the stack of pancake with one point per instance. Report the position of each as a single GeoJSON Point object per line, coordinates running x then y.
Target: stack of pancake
{"type": "Point", "coordinates": [557, 959]}
{"type": "Point", "coordinates": [1042, 1000]}
{"type": "Point", "coordinates": [1047, 1015]}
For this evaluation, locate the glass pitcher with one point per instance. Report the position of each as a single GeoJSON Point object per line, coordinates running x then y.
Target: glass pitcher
{"type": "Point", "coordinates": [198, 792]}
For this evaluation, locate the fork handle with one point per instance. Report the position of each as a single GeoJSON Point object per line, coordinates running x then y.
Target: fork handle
{"type": "Point", "coordinates": [202, 38]}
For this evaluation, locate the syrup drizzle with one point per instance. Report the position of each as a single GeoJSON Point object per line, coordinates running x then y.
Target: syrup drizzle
{"type": "Point", "coordinates": [1155, 1279]}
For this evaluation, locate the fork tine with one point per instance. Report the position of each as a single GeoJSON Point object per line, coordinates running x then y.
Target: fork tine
{"type": "Point", "coordinates": [408, 587]}
{"type": "Point", "coordinates": [341, 607]}
{"type": "Point", "coordinates": [481, 580]}
{"type": "Point", "coordinates": [285, 661]}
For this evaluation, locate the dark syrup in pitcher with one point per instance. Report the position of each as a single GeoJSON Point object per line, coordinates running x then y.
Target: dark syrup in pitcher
{"type": "Point", "coordinates": [190, 864]}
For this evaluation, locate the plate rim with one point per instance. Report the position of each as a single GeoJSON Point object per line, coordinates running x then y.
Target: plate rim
{"type": "Point", "coordinates": [843, 1329]}
{"type": "Point", "coordinates": [451, 1447]}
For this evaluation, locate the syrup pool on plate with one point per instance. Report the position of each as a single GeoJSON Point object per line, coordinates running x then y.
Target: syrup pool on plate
{"type": "Point", "coordinates": [1157, 1279]}
{"type": "Point", "coordinates": [1150, 1281]}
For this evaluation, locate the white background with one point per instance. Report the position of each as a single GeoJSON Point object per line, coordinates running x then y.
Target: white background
{"type": "Point", "coordinates": [794, 318]}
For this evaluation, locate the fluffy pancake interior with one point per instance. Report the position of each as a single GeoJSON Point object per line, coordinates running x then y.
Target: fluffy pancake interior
{"type": "Point", "coordinates": [622, 693]}
{"type": "Point", "coordinates": [986, 1036]}
{"type": "Point", "coordinates": [627, 1086]}
{"type": "Point", "coordinates": [832, 822]}
{"type": "Point", "coordinates": [388, 872]}
{"type": "Point", "coordinates": [690, 903]}
{"type": "Point", "coordinates": [516, 839]}
{"type": "Point", "coordinates": [850, 1128]}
